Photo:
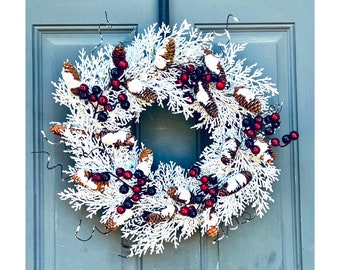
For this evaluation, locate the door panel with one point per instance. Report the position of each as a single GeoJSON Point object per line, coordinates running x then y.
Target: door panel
{"type": "Point", "coordinates": [280, 40]}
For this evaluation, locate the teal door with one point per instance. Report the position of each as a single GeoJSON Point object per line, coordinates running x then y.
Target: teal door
{"type": "Point", "coordinates": [280, 39]}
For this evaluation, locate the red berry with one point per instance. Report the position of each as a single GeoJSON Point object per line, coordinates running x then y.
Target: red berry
{"type": "Point", "coordinates": [212, 191]}
{"type": "Point", "coordinates": [255, 149]}
{"type": "Point", "coordinates": [102, 100]}
{"type": "Point", "coordinates": [184, 77]}
{"type": "Point", "coordinates": [250, 133]}
{"type": "Point", "coordinates": [204, 187]}
{"type": "Point", "coordinates": [193, 173]}
{"type": "Point", "coordinates": [220, 85]}
{"type": "Point", "coordinates": [115, 84]}
{"type": "Point", "coordinates": [83, 88]}
{"type": "Point", "coordinates": [136, 188]}
{"type": "Point", "coordinates": [123, 64]}
{"type": "Point", "coordinates": [190, 68]}
{"type": "Point", "coordinates": [275, 142]}
{"type": "Point", "coordinates": [275, 117]}
{"type": "Point", "coordinates": [141, 181]}
{"type": "Point", "coordinates": [120, 209]}
{"type": "Point", "coordinates": [92, 98]}
{"type": "Point", "coordinates": [209, 203]}
{"type": "Point", "coordinates": [207, 78]}
{"type": "Point", "coordinates": [258, 119]}
{"type": "Point", "coordinates": [122, 97]}
{"type": "Point", "coordinates": [108, 107]}
{"type": "Point", "coordinates": [127, 174]}
{"type": "Point", "coordinates": [205, 179]}
{"type": "Point", "coordinates": [135, 197]}
{"type": "Point", "coordinates": [184, 210]}
{"type": "Point", "coordinates": [97, 177]}
{"type": "Point", "coordinates": [179, 82]}
{"type": "Point", "coordinates": [119, 172]}
{"type": "Point", "coordinates": [258, 126]}
{"type": "Point", "coordinates": [294, 135]}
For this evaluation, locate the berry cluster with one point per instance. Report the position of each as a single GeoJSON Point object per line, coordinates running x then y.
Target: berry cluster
{"type": "Point", "coordinates": [266, 127]}
{"type": "Point", "coordinates": [117, 80]}
{"type": "Point", "coordinates": [191, 75]}
{"type": "Point", "coordinates": [206, 196]}
{"type": "Point", "coordinates": [97, 99]}
{"type": "Point", "coordinates": [139, 188]}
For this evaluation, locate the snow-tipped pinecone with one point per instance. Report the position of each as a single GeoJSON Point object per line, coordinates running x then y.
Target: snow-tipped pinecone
{"type": "Point", "coordinates": [213, 231]}
{"type": "Point", "coordinates": [235, 183]}
{"type": "Point", "coordinates": [118, 54]}
{"type": "Point", "coordinates": [206, 99]}
{"type": "Point", "coordinates": [170, 52]}
{"type": "Point", "coordinates": [147, 95]}
{"type": "Point", "coordinates": [247, 99]}
{"type": "Point", "coordinates": [69, 68]}
{"type": "Point", "coordinates": [111, 226]}
{"type": "Point", "coordinates": [229, 150]}
{"type": "Point", "coordinates": [154, 218]}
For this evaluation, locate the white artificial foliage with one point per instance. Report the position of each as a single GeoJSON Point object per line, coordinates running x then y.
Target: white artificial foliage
{"type": "Point", "coordinates": [91, 155]}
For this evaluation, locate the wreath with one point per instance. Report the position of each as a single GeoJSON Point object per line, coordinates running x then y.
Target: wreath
{"type": "Point", "coordinates": [112, 174]}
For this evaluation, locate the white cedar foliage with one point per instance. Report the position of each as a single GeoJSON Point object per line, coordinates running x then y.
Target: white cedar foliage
{"type": "Point", "coordinates": [89, 155]}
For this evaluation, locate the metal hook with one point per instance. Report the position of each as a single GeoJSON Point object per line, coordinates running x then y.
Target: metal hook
{"type": "Point", "coordinates": [109, 25]}
{"type": "Point", "coordinates": [219, 238]}
{"type": "Point", "coordinates": [227, 25]}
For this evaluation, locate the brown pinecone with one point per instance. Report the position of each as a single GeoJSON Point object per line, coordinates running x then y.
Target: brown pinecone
{"type": "Point", "coordinates": [76, 178]}
{"type": "Point", "coordinates": [211, 106]}
{"type": "Point", "coordinates": [254, 105]}
{"type": "Point", "coordinates": [226, 160]}
{"type": "Point", "coordinates": [59, 129]}
{"type": "Point", "coordinates": [269, 151]}
{"type": "Point", "coordinates": [118, 54]}
{"type": "Point", "coordinates": [68, 67]}
{"type": "Point", "coordinates": [111, 226]}
{"type": "Point", "coordinates": [144, 154]}
{"type": "Point", "coordinates": [172, 193]}
{"type": "Point", "coordinates": [147, 95]}
{"type": "Point", "coordinates": [213, 231]}
{"type": "Point", "coordinates": [154, 218]}
{"type": "Point", "coordinates": [222, 75]}
{"type": "Point", "coordinates": [224, 191]}
{"type": "Point", "coordinates": [170, 52]}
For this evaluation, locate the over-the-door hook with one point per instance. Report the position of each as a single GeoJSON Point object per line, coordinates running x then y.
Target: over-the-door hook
{"type": "Point", "coordinates": [109, 25]}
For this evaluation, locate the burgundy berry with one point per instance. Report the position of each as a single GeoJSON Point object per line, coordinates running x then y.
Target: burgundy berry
{"type": "Point", "coordinates": [258, 119]}
{"type": "Point", "coordinates": [97, 177]}
{"type": "Point", "coordinates": [250, 133]}
{"type": "Point", "coordinates": [257, 126]}
{"type": "Point", "coordinates": [102, 100]}
{"type": "Point", "coordinates": [184, 77]}
{"type": "Point", "coordinates": [119, 172]}
{"type": "Point", "coordinates": [122, 97]}
{"type": "Point", "coordinates": [204, 179]}
{"type": "Point", "coordinates": [190, 68]}
{"type": "Point", "coordinates": [255, 149]}
{"type": "Point", "coordinates": [115, 84]}
{"type": "Point", "coordinates": [135, 197]}
{"type": "Point", "coordinates": [294, 135]}
{"type": "Point", "coordinates": [275, 117]}
{"type": "Point", "coordinates": [123, 64]}
{"type": "Point", "coordinates": [120, 209]}
{"type": "Point", "coordinates": [108, 107]}
{"type": "Point", "coordinates": [275, 142]}
{"type": "Point", "coordinates": [220, 85]}
{"type": "Point", "coordinates": [136, 189]}
{"type": "Point", "coordinates": [92, 98]}
{"type": "Point", "coordinates": [127, 174]}
{"type": "Point", "coordinates": [204, 187]}
{"type": "Point", "coordinates": [209, 203]}
{"type": "Point", "coordinates": [83, 88]}
{"type": "Point", "coordinates": [184, 210]}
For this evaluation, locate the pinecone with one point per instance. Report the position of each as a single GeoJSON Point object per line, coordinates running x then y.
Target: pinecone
{"type": "Point", "coordinates": [69, 68]}
{"type": "Point", "coordinates": [118, 54]}
{"type": "Point", "coordinates": [252, 105]}
{"type": "Point", "coordinates": [147, 95]}
{"type": "Point", "coordinates": [76, 178]}
{"type": "Point", "coordinates": [144, 154]}
{"type": "Point", "coordinates": [269, 151]}
{"type": "Point", "coordinates": [224, 189]}
{"type": "Point", "coordinates": [170, 52]}
{"type": "Point", "coordinates": [172, 193]}
{"type": "Point", "coordinates": [232, 152]}
{"type": "Point", "coordinates": [209, 106]}
{"type": "Point", "coordinates": [154, 218]}
{"type": "Point", "coordinates": [213, 231]}
{"type": "Point", "coordinates": [59, 129]}
{"type": "Point", "coordinates": [222, 76]}
{"type": "Point", "coordinates": [111, 226]}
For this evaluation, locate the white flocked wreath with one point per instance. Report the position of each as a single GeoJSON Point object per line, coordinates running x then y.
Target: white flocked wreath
{"type": "Point", "coordinates": [174, 68]}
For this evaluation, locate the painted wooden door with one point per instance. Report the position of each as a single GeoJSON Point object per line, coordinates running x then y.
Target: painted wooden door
{"type": "Point", "coordinates": [280, 39]}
